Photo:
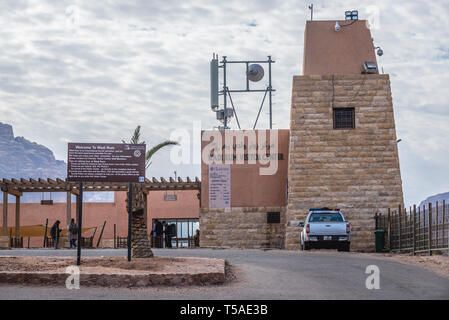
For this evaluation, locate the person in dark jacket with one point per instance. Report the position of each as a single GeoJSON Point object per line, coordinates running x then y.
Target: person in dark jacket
{"type": "Point", "coordinates": [168, 234]}
{"type": "Point", "coordinates": [159, 233]}
{"type": "Point", "coordinates": [54, 233]}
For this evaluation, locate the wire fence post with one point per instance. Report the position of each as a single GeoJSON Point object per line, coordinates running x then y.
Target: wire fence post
{"type": "Point", "coordinates": [437, 221]}
{"type": "Point", "coordinates": [430, 229]}
{"type": "Point", "coordinates": [389, 229]}
{"type": "Point", "coordinates": [399, 226]}
{"type": "Point", "coordinates": [414, 229]}
{"type": "Point", "coordinates": [444, 225]}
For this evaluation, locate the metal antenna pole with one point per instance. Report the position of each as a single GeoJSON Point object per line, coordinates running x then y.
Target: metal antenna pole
{"type": "Point", "coordinates": [261, 105]}
{"type": "Point", "coordinates": [269, 84]}
{"type": "Point", "coordinates": [247, 80]}
{"type": "Point", "coordinates": [233, 108]}
{"type": "Point", "coordinates": [225, 118]}
{"type": "Point", "coordinates": [311, 12]}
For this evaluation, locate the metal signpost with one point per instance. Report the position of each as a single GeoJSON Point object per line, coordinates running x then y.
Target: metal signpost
{"type": "Point", "coordinates": [130, 217]}
{"type": "Point", "coordinates": [105, 162]}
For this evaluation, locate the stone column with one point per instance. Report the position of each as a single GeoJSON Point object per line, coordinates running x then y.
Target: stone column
{"type": "Point", "coordinates": [140, 244]}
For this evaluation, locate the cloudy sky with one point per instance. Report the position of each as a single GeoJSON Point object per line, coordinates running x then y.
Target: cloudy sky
{"type": "Point", "coordinates": [90, 71]}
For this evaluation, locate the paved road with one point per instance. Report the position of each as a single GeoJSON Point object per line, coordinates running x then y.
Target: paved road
{"type": "Point", "coordinates": [273, 274]}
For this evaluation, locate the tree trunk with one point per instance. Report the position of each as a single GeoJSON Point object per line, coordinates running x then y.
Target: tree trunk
{"type": "Point", "coordinates": [140, 244]}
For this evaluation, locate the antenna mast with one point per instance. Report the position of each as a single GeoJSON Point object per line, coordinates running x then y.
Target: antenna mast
{"type": "Point", "coordinates": [311, 11]}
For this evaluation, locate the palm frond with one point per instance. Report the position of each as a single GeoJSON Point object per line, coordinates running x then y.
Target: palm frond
{"type": "Point", "coordinates": [156, 148]}
{"type": "Point", "coordinates": [135, 137]}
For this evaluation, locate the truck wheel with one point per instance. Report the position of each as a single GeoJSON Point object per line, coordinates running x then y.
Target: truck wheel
{"type": "Point", "coordinates": [306, 245]}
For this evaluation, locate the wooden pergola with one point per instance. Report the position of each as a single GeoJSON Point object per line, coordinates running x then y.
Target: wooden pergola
{"type": "Point", "coordinates": [17, 187]}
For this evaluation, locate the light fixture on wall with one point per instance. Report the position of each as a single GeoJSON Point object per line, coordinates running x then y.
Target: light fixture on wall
{"type": "Point", "coordinates": [337, 26]}
{"type": "Point", "coordinates": [380, 52]}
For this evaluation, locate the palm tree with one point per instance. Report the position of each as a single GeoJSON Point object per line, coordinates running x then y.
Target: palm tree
{"type": "Point", "coordinates": [140, 245]}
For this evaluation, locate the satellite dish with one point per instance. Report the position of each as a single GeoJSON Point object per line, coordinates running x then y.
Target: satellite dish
{"type": "Point", "coordinates": [255, 72]}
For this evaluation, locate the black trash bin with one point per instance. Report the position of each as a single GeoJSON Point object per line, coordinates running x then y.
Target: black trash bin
{"type": "Point", "coordinates": [379, 236]}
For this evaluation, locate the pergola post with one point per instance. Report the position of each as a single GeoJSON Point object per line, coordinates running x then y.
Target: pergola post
{"type": "Point", "coordinates": [69, 207]}
{"type": "Point", "coordinates": [5, 213]}
{"type": "Point", "coordinates": [17, 231]}
{"type": "Point", "coordinates": [145, 208]}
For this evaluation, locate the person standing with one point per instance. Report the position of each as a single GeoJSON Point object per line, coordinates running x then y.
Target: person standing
{"type": "Point", "coordinates": [159, 233]}
{"type": "Point", "coordinates": [73, 233]}
{"type": "Point", "coordinates": [168, 234]}
{"type": "Point", "coordinates": [54, 233]}
{"type": "Point", "coordinates": [196, 238]}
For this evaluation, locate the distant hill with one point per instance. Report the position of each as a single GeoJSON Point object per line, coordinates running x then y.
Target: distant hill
{"type": "Point", "coordinates": [21, 158]}
{"type": "Point", "coordinates": [433, 199]}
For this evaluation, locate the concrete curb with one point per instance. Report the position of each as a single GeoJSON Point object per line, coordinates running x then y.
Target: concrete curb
{"type": "Point", "coordinates": [114, 280]}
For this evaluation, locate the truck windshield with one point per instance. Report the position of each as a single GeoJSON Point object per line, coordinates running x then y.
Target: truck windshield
{"type": "Point", "coordinates": [326, 217]}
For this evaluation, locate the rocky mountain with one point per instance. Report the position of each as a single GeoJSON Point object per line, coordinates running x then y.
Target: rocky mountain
{"type": "Point", "coordinates": [21, 158]}
{"type": "Point", "coordinates": [433, 199]}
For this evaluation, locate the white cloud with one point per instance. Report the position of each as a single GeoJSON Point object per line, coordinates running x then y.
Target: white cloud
{"type": "Point", "coordinates": [91, 71]}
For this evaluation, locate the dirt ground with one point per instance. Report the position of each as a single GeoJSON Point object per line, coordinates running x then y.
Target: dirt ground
{"type": "Point", "coordinates": [114, 265]}
{"type": "Point", "coordinates": [436, 263]}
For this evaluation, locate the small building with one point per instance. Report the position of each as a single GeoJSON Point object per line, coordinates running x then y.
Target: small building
{"type": "Point", "coordinates": [340, 152]}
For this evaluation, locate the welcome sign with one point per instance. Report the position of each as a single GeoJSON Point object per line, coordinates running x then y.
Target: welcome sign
{"type": "Point", "coordinates": [106, 162]}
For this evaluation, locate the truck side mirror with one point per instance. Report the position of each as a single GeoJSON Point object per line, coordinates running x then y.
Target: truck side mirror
{"type": "Point", "coordinates": [301, 224]}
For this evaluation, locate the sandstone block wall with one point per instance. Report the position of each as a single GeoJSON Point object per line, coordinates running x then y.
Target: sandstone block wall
{"type": "Point", "coordinates": [356, 170]}
{"type": "Point", "coordinates": [241, 227]}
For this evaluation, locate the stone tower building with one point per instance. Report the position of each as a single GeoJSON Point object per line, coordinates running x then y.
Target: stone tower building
{"type": "Point", "coordinates": [343, 144]}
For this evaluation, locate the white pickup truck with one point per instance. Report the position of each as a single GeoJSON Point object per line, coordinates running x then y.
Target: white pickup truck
{"type": "Point", "coordinates": [325, 228]}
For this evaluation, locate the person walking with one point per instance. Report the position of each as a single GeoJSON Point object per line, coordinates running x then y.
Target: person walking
{"type": "Point", "coordinates": [73, 233]}
{"type": "Point", "coordinates": [54, 233]}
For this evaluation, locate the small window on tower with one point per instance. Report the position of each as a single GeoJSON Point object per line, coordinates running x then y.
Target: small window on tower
{"type": "Point", "coordinates": [344, 118]}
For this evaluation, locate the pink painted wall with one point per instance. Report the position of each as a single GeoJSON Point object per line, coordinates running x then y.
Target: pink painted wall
{"type": "Point", "coordinates": [328, 52]}
{"type": "Point", "coordinates": [94, 214]}
{"type": "Point", "coordinates": [248, 187]}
